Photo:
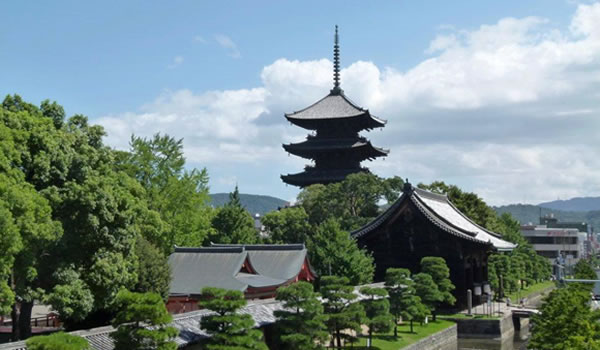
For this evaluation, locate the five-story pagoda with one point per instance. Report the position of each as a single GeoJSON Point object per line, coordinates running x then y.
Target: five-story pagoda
{"type": "Point", "coordinates": [336, 147]}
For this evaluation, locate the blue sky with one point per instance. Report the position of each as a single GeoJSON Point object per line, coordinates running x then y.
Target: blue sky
{"type": "Point", "coordinates": [221, 74]}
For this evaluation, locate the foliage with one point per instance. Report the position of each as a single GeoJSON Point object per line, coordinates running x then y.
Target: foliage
{"type": "Point", "coordinates": [71, 296]}
{"type": "Point", "coordinates": [584, 270]}
{"type": "Point", "coordinates": [289, 225]}
{"type": "Point", "coordinates": [427, 290]}
{"type": "Point", "coordinates": [57, 341]}
{"type": "Point", "coordinates": [566, 321]}
{"type": "Point", "coordinates": [233, 224]}
{"type": "Point", "coordinates": [438, 270]}
{"type": "Point", "coordinates": [142, 322]}
{"type": "Point", "coordinates": [404, 301]}
{"type": "Point", "coordinates": [227, 328]}
{"type": "Point", "coordinates": [333, 252]}
{"type": "Point", "coordinates": [377, 310]}
{"type": "Point", "coordinates": [180, 196]}
{"type": "Point", "coordinates": [354, 201]}
{"type": "Point", "coordinates": [154, 274]}
{"type": "Point", "coordinates": [340, 307]}
{"type": "Point", "coordinates": [301, 322]}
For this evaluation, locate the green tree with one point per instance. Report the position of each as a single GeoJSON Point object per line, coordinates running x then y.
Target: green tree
{"type": "Point", "coordinates": [154, 273]}
{"type": "Point", "coordinates": [301, 322]}
{"type": "Point", "coordinates": [101, 210]}
{"type": "Point", "coordinates": [227, 328]}
{"type": "Point", "coordinates": [397, 281]}
{"type": "Point", "coordinates": [377, 310]}
{"type": "Point", "coordinates": [340, 307]}
{"type": "Point", "coordinates": [427, 290]}
{"type": "Point", "coordinates": [565, 320]}
{"type": "Point", "coordinates": [233, 224]}
{"type": "Point", "coordinates": [289, 225]}
{"type": "Point", "coordinates": [71, 297]}
{"type": "Point", "coordinates": [354, 201]}
{"type": "Point", "coordinates": [180, 196]}
{"type": "Point", "coordinates": [436, 267]}
{"type": "Point", "coordinates": [142, 323]}
{"type": "Point", "coordinates": [57, 341]}
{"type": "Point", "coordinates": [333, 252]}
{"type": "Point", "coordinates": [584, 270]}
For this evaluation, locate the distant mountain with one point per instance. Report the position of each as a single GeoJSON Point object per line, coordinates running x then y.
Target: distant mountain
{"type": "Point", "coordinates": [574, 204]}
{"type": "Point", "coordinates": [252, 202]}
{"type": "Point", "coordinates": [526, 213]}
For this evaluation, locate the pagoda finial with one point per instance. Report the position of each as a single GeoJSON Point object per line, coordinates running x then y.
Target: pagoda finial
{"type": "Point", "coordinates": [336, 64]}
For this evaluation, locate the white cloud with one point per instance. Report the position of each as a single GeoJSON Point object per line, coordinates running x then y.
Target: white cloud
{"type": "Point", "coordinates": [177, 61]}
{"type": "Point", "coordinates": [199, 39]}
{"type": "Point", "coordinates": [509, 110]}
{"type": "Point", "coordinates": [227, 43]}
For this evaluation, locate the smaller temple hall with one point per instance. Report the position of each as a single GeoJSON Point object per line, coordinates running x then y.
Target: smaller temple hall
{"type": "Point", "coordinates": [422, 223]}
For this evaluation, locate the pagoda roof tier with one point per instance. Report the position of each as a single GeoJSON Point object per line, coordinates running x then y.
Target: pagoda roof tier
{"type": "Point", "coordinates": [314, 146]}
{"type": "Point", "coordinates": [316, 176]}
{"type": "Point", "coordinates": [334, 107]}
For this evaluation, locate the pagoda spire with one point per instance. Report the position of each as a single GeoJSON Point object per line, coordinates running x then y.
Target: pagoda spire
{"type": "Point", "coordinates": [336, 64]}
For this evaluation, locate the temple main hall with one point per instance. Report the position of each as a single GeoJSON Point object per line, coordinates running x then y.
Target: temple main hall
{"type": "Point", "coordinates": [421, 223]}
{"type": "Point", "coordinates": [335, 147]}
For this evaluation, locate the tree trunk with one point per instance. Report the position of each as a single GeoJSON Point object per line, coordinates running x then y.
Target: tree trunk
{"type": "Point", "coordinates": [338, 336]}
{"type": "Point", "coordinates": [395, 329]}
{"type": "Point", "coordinates": [434, 312]}
{"type": "Point", "coordinates": [25, 319]}
{"type": "Point", "coordinates": [411, 326]}
{"type": "Point", "coordinates": [370, 337]}
{"type": "Point", "coordinates": [15, 315]}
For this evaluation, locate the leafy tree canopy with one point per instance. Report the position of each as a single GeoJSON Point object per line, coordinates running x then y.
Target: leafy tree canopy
{"type": "Point", "coordinates": [233, 224]}
{"type": "Point", "coordinates": [377, 310]}
{"type": "Point", "coordinates": [566, 322]}
{"type": "Point", "coordinates": [354, 201]}
{"type": "Point", "coordinates": [333, 252]}
{"type": "Point", "coordinates": [289, 225]}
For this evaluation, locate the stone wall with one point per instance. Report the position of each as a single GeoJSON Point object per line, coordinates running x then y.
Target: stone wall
{"type": "Point", "coordinates": [446, 339]}
{"type": "Point", "coordinates": [482, 328]}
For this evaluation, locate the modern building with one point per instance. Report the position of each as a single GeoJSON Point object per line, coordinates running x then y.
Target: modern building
{"type": "Point", "coordinates": [335, 147]}
{"type": "Point", "coordinates": [420, 224]}
{"type": "Point", "coordinates": [256, 270]}
{"type": "Point", "coordinates": [552, 243]}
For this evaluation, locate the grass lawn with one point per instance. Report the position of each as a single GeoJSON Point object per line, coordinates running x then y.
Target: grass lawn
{"type": "Point", "coordinates": [514, 297]}
{"type": "Point", "coordinates": [388, 342]}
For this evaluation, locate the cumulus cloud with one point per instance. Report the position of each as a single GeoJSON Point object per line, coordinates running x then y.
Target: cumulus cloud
{"type": "Point", "coordinates": [227, 43]}
{"type": "Point", "coordinates": [508, 110]}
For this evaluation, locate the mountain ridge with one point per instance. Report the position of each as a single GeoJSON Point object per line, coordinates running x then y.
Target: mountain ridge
{"type": "Point", "coordinates": [254, 203]}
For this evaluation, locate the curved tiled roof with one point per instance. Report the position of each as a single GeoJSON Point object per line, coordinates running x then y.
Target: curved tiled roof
{"type": "Point", "coordinates": [334, 106]}
{"type": "Point", "coordinates": [442, 213]}
{"type": "Point", "coordinates": [276, 261]}
{"type": "Point", "coordinates": [195, 268]}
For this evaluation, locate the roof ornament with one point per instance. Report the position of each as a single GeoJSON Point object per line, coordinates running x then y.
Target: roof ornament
{"type": "Point", "coordinates": [336, 64]}
{"type": "Point", "coordinates": [407, 186]}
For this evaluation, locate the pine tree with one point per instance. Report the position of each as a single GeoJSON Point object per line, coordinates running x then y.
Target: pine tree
{"type": "Point", "coordinates": [142, 322]}
{"type": "Point", "coordinates": [301, 322]}
{"type": "Point", "coordinates": [403, 299]}
{"type": "Point", "coordinates": [427, 290]}
{"type": "Point", "coordinates": [436, 267]}
{"type": "Point", "coordinates": [377, 310]}
{"type": "Point", "coordinates": [341, 310]}
{"type": "Point", "coordinates": [57, 341]}
{"type": "Point", "coordinates": [227, 328]}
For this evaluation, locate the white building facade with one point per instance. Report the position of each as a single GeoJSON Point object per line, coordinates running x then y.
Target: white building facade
{"type": "Point", "coordinates": [552, 243]}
